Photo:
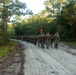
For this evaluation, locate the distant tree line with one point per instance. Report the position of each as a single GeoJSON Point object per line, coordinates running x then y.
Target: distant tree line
{"type": "Point", "coordinates": [61, 18]}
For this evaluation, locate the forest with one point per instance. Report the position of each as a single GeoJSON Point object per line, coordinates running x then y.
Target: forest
{"type": "Point", "coordinates": [58, 16]}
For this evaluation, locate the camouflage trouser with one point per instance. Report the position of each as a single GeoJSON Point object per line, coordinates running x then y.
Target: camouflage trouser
{"type": "Point", "coordinates": [39, 42]}
{"type": "Point", "coordinates": [51, 43]}
{"type": "Point", "coordinates": [42, 44]}
{"type": "Point", "coordinates": [48, 44]}
{"type": "Point", "coordinates": [56, 43]}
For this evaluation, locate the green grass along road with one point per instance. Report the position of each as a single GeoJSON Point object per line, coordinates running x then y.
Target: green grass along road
{"type": "Point", "coordinates": [7, 49]}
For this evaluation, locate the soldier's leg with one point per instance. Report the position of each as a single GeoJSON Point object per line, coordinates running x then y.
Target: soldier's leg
{"type": "Point", "coordinates": [42, 44]}
{"type": "Point", "coordinates": [56, 44]}
{"type": "Point", "coordinates": [38, 43]}
{"type": "Point", "coordinates": [47, 44]}
{"type": "Point", "coordinates": [51, 43]}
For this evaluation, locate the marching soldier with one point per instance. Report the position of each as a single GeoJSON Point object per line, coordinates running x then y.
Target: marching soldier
{"type": "Point", "coordinates": [56, 39]}
{"type": "Point", "coordinates": [48, 39]}
{"type": "Point", "coordinates": [42, 40]}
{"type": "Point", "coordinates": [52, 40]}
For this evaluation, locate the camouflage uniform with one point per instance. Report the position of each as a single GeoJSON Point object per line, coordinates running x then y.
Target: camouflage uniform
{"type": "Point", "coordinates": [52, 40]}
{"type": "Point", "coordinates": [56, 40]}
{"type": "Point", "coordinates": [48, 40]}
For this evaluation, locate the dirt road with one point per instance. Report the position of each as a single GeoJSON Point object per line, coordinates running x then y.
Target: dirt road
{"type": "Point", "coordinates": [40, 61]}
{"type": "Point", "coordinates": [29, 59]}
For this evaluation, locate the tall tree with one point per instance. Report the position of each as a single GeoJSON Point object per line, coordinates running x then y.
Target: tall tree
{"type": "Point", "coordinates": [54, 7]}
{"type": "Point", "coordinates": [13, 7]}
{"type": "Point", "coordinates": [68, 18]}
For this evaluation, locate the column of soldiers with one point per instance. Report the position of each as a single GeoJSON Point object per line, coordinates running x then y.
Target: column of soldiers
{"type": "Point", "coordinates": [43, 41]}
{"type": "Point", "coordinates": [48, 40]}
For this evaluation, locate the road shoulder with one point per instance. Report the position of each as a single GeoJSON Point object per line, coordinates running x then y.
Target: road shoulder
{"type": "Point", "coordinates": [13, 63]}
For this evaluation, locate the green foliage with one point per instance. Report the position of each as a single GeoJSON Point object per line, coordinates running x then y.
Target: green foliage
{"type": "Point", "coordinates": [11, 8]}
{"type": "Point", "coordinates": [4, 39]}
{"type": "Point", "coordinates": [32, 25]}
{"type": "Point", "coordinates": [8, 8]}
{"type": "Point", "coordinates": [60, 15]}
{"type": "Point", "coordinates": [19, 30]}
{"type": "Point", "coordinates": [53, 28]}
{"type": "Point", "coordinates": [68, 20]}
